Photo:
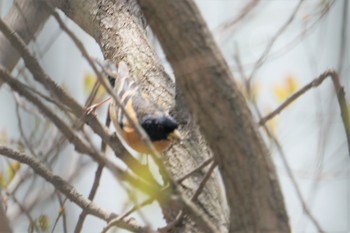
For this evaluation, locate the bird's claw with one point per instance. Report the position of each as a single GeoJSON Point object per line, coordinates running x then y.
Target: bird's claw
{"type": "Point", "coordinates": [91, 109]}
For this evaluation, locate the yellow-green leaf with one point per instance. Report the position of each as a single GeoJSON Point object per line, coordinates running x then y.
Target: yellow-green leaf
{"type": "Point", "coordinates": [292, 84]}
{"type": "Point", "coordinates": [44, 222]}
{"type": "Point", "coordinates": [280, 92]}
{"type": "Point", "coordinates": [61, 210]}
{"type": "Point", "coordinates": [3, 180]}
{"type": "Point", "coordinates": [3, 136]}
{"type": "Point", "coordinates": [89, 81]}
{"type": "Point", "coordinates": [285, 89]}
{"type": "Point", "coordinates": [272, 125]}
{"type": "Point", "coordinates": [10, 173]}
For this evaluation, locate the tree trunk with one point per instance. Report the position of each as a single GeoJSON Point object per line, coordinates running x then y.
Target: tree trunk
{"type": "Point", "coordinates": [254, 197]}
{"type": "Point", "coordinates": [122, 37]}
{"type": "Point", "coordinates": [206, 85]}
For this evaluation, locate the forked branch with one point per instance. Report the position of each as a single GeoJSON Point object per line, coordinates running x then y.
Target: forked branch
{"type": "Point", "coordinates": [344, 108]}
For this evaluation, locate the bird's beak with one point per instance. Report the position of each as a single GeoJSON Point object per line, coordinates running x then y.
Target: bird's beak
{"type": "Point", "coordinates": [175, 135]}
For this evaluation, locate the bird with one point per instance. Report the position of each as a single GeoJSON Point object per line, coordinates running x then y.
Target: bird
{"type": "Point", "coordinates": [161, 128]}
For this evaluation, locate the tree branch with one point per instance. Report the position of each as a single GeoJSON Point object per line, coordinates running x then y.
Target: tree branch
{"type": "Point", "coordinates": [343, 106]}
{"type": "Point", "coordinates": [40, 76]}
{"type": "Point", "coordinates": [122, 38]}
{"type": "Point", "coordinates": [95, 184]}
{"type": "Point", "coordinates": [252, 190]}
{"type": "Point", "coordinates": [80, 145]}
{"type": "Point", "coordinates": [69, 190]}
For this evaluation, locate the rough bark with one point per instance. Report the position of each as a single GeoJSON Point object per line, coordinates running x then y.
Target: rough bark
{"type": "Point", "coordinates": [254, 197]}
{"type": "Point", "coordinates": [4, 225]}
{"type": "Point", "coordinates": [121, 37]}
{"type": "Point", "coordinates": [25, 17]}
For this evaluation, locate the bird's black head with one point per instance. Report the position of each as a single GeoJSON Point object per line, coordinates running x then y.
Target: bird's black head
{"type": "Point", "coordinates": [158, 127]}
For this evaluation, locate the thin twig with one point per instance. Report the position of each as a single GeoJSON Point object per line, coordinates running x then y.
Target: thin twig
{"type": "Point", "coordinates": [172, 224]}
{"type": "Point", "coordinates": [91, 196]}
{"type": "Point", "coordinates": [42, 78]}
{"type": "Point", "coordinates": [199, 167]}
{"type": "Point", "coordinates": [21, 130]}
{"type": "Point", "coordinates": [281, 153]}
{"type": "Point", "coordinates": [194, 197]}
{"type": "Point", "coordinates": [149, 200]}
{"type": "Point", "coordinates": [316, 82]}
{"type": "Point", "coordinates": [88, 102]}
{"type": "Point", "coordinates": [79, 144]}
{"type": "Point", "coordinates": [115, 221]}
{"type": "Point", "coordinates": [195, 213]}
{"type": "Point", "coordinates": [136, 207]}
{"type": "Point", "coordinates": [297, 38]}
{"type": "Point", "coordinates": [228, 26]}
{"type": "Point", "coordinates": [68, 189]}
{"type": "Point", "coordinates": [61, 213]}
{"type": "Point", "coordinates": [93, 191]}
{"type": "Point", "coordinates": [344, 107]}
{"type": "Point", "coordinates": [19, 87]}
{"type": "Point", "coordinates": [26, 213]}
{"type": "Point", "coordinates": [80, 46]}
{"type": "Point", "coordinates": [144, 137]}
{"type": "Point", "coordinates": [272, 42]}
{"type": "Point", "coordinates": [203, 181]}
{"type": "Point", "coordinates": [343, 37]}
{"type": "Point", "coordinates": [296, 187]}
{"type": "Point", "coordinates": [132, 197]}
{"type": "Point", "coordinates": [291, 176]}
{"type": "Point", "coordinates": [39, 75]}
{"type": "Point", "coordinates": [345, 117]}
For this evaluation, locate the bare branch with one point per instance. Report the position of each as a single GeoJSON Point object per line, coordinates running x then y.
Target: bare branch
{"type": "Point", "coordinates": [193, 198]}
{"type": "Point", "coordinates": [74, 106]}
{"type": "Point", "coordinates": [343, 37]}
{"type": "Point", "coordinates": [204, 181]}
{"type": "Point", "coordinates": [305, 207]}
{"type": "Point", "coordinates": [279, 148]}
{"type": "Point", "coordinates": [68, 189]}
{"type": "Point", "coordinates": [144, 137]}
{"type": "Point", "coordinates": [79, 144]}
{"type": "Point", "coordinates": [266, 51]}
{"type": "Point", "coordinates": [61, 213]}
{"type": "Point", "coordinates": [227, 27]}
{"type": "Point", "coordinates": [79, 45]}
{"type": "Point", "coordinates": [96, 183]}
{"type": "Point", "coordinates": [344, 110]}
{"type": "Point", "coordinates": [121, 38]}
{"type": "Point", "coordinates": [224, 118]}
{"type": "Point", "coordinates": [197, 214]}
{"type": "Point", "coordinates": [199, 167]}
{"type": "Point", "coordinates": [19, 87]}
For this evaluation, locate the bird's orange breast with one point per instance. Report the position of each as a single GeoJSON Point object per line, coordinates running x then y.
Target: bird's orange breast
{"type": "Point", "coordinates": [132, 137]}
{"type": "Point", "coordinates": [134, 141]}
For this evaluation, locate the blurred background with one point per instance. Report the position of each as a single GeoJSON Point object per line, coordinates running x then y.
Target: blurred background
{"type": "Point", "coordinates": [273, 48]}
